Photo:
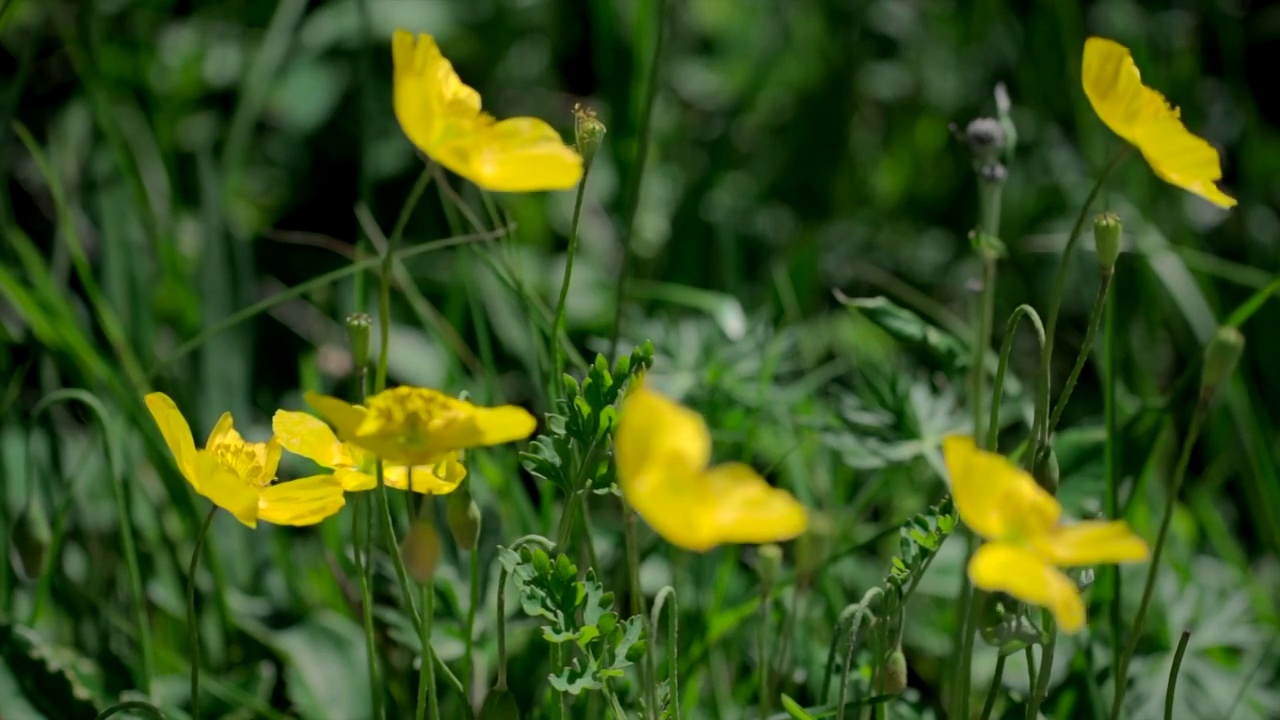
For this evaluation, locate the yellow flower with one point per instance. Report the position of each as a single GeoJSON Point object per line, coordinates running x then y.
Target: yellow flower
{"type": "Point", "coordinates": [304, 435]}
{"type": "Point", "coordinates": [663, 450]}
{"type": "Point", "coordinates": [419, 426]}
{"type": "Point", "coordinates": [1145, 119]}
{"type": "Point", "coordinates": [237, 475]}
{"type": "Point", "coordinates": [442, 117]}
{"type": "Point", "coordinates": [1027, 542]}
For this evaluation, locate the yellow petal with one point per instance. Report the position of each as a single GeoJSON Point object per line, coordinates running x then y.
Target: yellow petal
{"type": "Point", "coordinates": [994, 497]}
{"type": "Point", "coordinates": [655, 432]}
{"type": "Point", "coordinates": [523, 154]}
{"type": "Point", "coordinates": [998, 567]}
{"type": "Point", "coordinates": [176, 432]}
{"type": "Point", "coordinates": [354, 480]}
{"type": "Point", "coordinates": [1092, 543]}
{"type": "Point", "coordinates": [225, 489]}
{"type": "Point", "coordinates": [342, 415]}
{"type": "Point", "coordinates": [429, 97]}
{"type": "Point", "coordinates": [439, 479]}
{"type": "Point", "coordinates": [224, 431]}
{"type": "Point", "coordinates": [1182, 159]}
{"type": "Point", "coordinates": [310, 437]}
{"type": "Point", "coordinates": [305, 501]}
{"type": "Point", "coordinates": [729, 504]}
{"type": "Point", "coordinates": [1114, 87]}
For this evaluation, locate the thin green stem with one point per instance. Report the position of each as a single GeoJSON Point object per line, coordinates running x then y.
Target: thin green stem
{"type": "Point", "coordinates": [1172, 688]}
{"type": "Point", "coordinates": [638, 608]}
{"type": "Point", "coordinates": [762, 648]}
{"type": "Point", "coordinates": [384, 285]}
{"type": "Point", "coordinates": [1095, 319]}
{"type": "Point", "coordinates": [133, 706]}
{"type": "Point", "coordinates": [965, 661]}
{"type": "Point", "coordinates": [637, 173]}
{"type": "Point", "coordinates": [994, 690]}
{"type": "Point", "coordinates": [1135, 633]}
{"type": "Point", "coordinates": [1033, 677]}
{"type": "Point", "coordinates": [426, 676]}
{"type": "Point", "coordinates": [1041, 437]}
{"type": "Point", "coordinates": [359, 512]}
{"type": "Point", "coordinates": [1111, 462]}
{"type": "Point", "coordinates": [557, 326]}
{"type": "Point", "coordinates": [980, 344]}
{"type": "Point", "coordinates": [666, 597]}
{"type": "Point", "coordinates": [997, 390]}
{"type": "Point", "coordinates": [472, 605]}
{"type": "Point", "coordinates": [193, 622]}
{"type": "Point", "coordinates": [1041, 688]}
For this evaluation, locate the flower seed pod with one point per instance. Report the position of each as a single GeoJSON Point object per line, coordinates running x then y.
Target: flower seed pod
{"type": "Point", "coordinates": [1046, 470]}
{"type": "Point", "coordinates": [770, 564]}
{"type": "Point", "coordinates": [588, 132]}
{"type": "Point", "coordinates": [499, 704]}
{"type": "Point", "coordinates": [1107, 230]}
{"type": "Point", "coordinates": [421, 550]}
{"type": "Point", "coordinates": [463, 516]}
{"type": "Point", "coordinates": [1220, 358]}
{"type": "Point", "coordinates": [894, 678]}
{"type": "Point", "coordinates": [358, 325]}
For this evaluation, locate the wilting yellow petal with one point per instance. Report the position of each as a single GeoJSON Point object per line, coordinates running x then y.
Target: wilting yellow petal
{"type": "Point", "coordinates": [176, 432]}
{"type": "Point", "coordinates": [657, 437]}
{"type": "Point", "coordinates": [998, 567]}
{"type": "Point", "coordinates": [994, 497]}
{"type": "Point", "coordinates": [310, 437]}
{"type": "Point", "coordinates": [439, 479]}
{"type": "Point", "coordinates": [1182, 159]}
{"type": "Point", "coordinates": [342, 415]}
{"type": "Point", "coordinates": [1091, 543]}
{"type": "Point", "coordinates": [305, 501]}
{"type": "Point", "coordinates": [225, 489]}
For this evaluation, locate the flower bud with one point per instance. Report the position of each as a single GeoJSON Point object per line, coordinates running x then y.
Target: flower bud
{"type": "Point", "coordinates": [499, 704]}
{"type": "Point", "coordinates": [1106, 239]}
{"type": "Point", "coordinates": [1220, 357]}
{"type": "Point", "coordinates": [1045, 470]}
{"type": "Point", "coordinates": [358, 325]}
{"type": "Point", "coordinates": [985, 136]}
{"type": "Point", "coordinates": [770, 564]}
{"type": "Point", "coordinates": [421, 550]}
{"type": "Point", "coordinates": [894, 678]}
{"type": "Point", "coordinates": [588, 132]}
{"type": "Point", "coordinates": [463, 516]}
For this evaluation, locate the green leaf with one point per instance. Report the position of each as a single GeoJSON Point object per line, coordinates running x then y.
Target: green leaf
{"type": "Point", "coordinates": [792, 707]}
{"type": "Point", "coordinates": [323, 657]}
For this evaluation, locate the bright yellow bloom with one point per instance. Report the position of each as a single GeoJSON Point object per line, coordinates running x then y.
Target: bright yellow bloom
{"type": "Point", "coordinates": [237, 475]}
{"type": "Point", "coordinates": [663, 450]}
{"type": "Point", "coordinates": [419, 426]}
{"type": "Point", "coordinates": [1143, 117]}
{"type": "Point", "coordinates": [305, 435]}
{"type": "Point", "coordinates": [1027, 542]}
{"type": "Point", "coordinates": [441, 115]}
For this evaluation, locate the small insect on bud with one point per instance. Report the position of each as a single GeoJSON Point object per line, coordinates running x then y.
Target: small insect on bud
{"type": "Point", "coordinates": [770, 564]}
{"type": "Point", "coordinates": [588, 132]}
{"type": "Point", "coordinates": [358, 325]}
{"type": "Point", "coordinates": [499, 704]}
{"type": "Point", "coordinates": [1045, 470]}
{"type": "Point", "coordinates": [1220, 358]}
{"type": "Point", "coordinates": [463, 516]}
{"type": "Point", "coordinates": [894, 678]}
{"type": "Point", "coordinates": [421, 550]}
{"type": "Point", "coordinates": [1107, 229]}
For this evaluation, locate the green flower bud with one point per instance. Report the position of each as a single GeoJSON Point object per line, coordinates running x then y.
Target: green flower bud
{"type": "Point", "coordinates": [421, 550]}
{"type": "Point", "coordinates": [894, 678]}
{"type": "Point", "coordinates": [1045, 470]}
{"type": "Point", "coordinates": [499, 704]}
{"type": "Point", "coordinates": [463, 516]}
{"type": "Point", "coordinates": [1220, 357]}
{"type": "Point", "coordinates": [358, 325]}
{"type": "Point", "coordinates": [770, 564]}
{"type": "Point", "coordinates": [588, 132]}
{"type": "Point", "coordinates": [1107, 229]}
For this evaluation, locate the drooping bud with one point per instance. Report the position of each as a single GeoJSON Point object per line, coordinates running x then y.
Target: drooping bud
{"type": "Point", "coordinates": [894, 678]}
{"type": "Point", "coordinates": [1045, 470]}
{"type": "Point", "coordinates": [1107, 229]}
{"type": "Point", "coordinates": [588, 132]}
{"type": "Point", "coordinates": [1220, 358]}
{"type": "Point", "coordinates": [421, 550]}
{"type": "Point", "coordinates": [500, 704]}
{"type": "Point", "coordinates": [463, 516]}
{"type": "Point", "coordinates": [770, 564]}
{"type": "Point", "coordinates": [358, 325]}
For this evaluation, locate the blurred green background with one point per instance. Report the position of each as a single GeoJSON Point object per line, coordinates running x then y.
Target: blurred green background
{"type": "Point", "coordinates": [167, 164]}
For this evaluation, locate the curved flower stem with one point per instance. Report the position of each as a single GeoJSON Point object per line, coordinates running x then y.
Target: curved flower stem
{"type": "Point", "coordinates": [359, 512]}
{"type": "Point", "coordinates": [557, 326]}
{"type": "Point", "coordinates": [384, 286]}
{"type": "Point", "coordinates": [1041, 688]}
{"type": "Point", "coordinates": [134, 706]}
{"type": "Point", "coordinates": [665, 595]}
{"type": "Point", "coordinates": [638, 608]}
{"type": "Point", "coordinates": [637, 173]}
{"type": "Point", "coordinates": [193, 623]}
{"type": "Point", "coordinates": [994, 690]}
{"type": "Point", "coordinates": [1180, 472]}
{"type": "Point", "coordinates": [1041, 436]}
{"type": "Point", "coordinates": [1111, 460]}
{"type": "Point", "coordinates": [1095, 319]}
{"type": "Point", "coordinates": [501, 619]}
{"type": "Point", "coordinates": [1172, 689]}
{"type": "Point", "coordinates": [997, 390]}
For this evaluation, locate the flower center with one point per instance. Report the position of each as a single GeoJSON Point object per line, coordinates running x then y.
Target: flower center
{"type": "Point", "coordinates": [243, 459]}
{"type": "Point", "coordinates": [411, 415]}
